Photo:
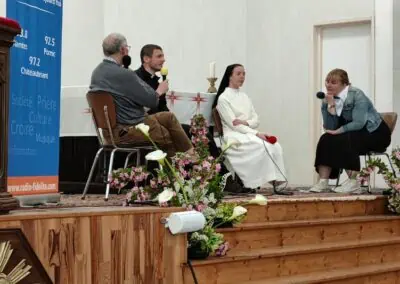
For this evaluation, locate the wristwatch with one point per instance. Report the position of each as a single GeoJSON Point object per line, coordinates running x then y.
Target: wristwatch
{"type": "Point", "coordinates": [331, 106]}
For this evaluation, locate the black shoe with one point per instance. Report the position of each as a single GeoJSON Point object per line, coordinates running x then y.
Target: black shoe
{"type": "Point", "coordinates": [280, 191]}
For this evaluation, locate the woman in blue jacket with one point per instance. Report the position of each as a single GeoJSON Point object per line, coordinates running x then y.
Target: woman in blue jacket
{"type": "Point", "coordinates": [352, 128]}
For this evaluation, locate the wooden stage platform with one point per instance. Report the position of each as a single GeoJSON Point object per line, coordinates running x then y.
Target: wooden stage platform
{"type": "Point", "coordinates": [299, 239]}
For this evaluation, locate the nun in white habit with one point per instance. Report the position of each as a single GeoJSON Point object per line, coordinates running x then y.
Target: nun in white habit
{"type": "Point", "coordinates": [256, 160]}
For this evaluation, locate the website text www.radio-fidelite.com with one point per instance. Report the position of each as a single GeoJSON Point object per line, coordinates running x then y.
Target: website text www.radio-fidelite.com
{"type": "Point", "coordinates": [35, 186]}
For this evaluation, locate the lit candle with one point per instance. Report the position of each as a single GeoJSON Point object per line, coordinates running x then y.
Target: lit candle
{"type": "Point", "coordinates": [212, 70]}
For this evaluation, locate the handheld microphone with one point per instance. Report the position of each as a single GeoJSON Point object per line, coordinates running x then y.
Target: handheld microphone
{"type": "Point", "coordinates": [322, 95]}
{"type": "Point", "coordinates": [126, 61]}
{"type": "Point", "coordinates": [164, 73]}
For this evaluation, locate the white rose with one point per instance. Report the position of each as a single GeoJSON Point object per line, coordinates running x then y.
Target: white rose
{"type": "Point", "coordinates": [165, 196]}
{"type": "Point", "coordinates": [259, 199]}
{"type": "Point", "coordinates": [238, 211]}
{"type": "Point", "coordinates": [157, 155]}
{"type": "Point", "coordinates": [230, 142]}
{"type": "Point", "coordinates": [144, 128]}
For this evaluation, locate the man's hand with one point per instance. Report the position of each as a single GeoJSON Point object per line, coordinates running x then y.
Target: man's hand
{"type": "Point", "coordinates": [163, 88]}
{"type": "Point", "coordinates": [236, 122]}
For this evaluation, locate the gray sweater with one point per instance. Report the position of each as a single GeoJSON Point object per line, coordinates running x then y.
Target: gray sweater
{"type": "Point", "coordinates": [131, 94]}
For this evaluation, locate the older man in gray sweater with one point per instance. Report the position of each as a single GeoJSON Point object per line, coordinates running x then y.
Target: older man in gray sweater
{"type": "Point", "coordinates": [131, 95]}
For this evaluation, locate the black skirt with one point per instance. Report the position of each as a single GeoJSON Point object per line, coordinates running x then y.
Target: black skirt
{"type": "Point", "coordinates": [343, 151]}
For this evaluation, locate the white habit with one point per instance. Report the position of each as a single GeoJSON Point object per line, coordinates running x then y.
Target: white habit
{"type": "Point", "coordinates": [250, 159]}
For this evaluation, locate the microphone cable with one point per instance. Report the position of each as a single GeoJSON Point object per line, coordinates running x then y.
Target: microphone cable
{"type": "Point", "coordinates": [281, 191]}
{"type": "Point", "coordinates": [189, 263]}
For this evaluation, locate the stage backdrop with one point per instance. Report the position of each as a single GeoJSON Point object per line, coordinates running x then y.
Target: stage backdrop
{"type": "Point", "coordinates": [35, 81]}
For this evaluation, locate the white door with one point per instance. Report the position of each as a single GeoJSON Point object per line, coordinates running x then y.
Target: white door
{"type": "Point", "coordinates": [349, 47]}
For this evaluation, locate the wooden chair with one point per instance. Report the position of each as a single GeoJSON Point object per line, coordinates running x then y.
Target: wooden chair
{"type": "Point", "coordinates": [391, 119]}
{"type": "Point", "coordinates": [218, 124]}
{"type": "Point", "coordinates": [104, 118]}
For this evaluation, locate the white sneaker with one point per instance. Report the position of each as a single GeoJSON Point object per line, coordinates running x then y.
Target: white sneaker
{"type": "Point", "coordinates": [349, 186]}
{"type": "Point", "coordinates": [321, 186]}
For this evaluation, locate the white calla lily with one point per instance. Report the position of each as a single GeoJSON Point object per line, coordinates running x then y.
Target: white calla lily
{"type": "Point", "coordinates": [157, 155]}
{"type": "Point", "coordinates": [144, 128]}
{"type": "Point", "coordinates": [165, 196]}
{"type": "Point", "coordinates": [238, 211]}
{"type": "Point", "coordinates": [259, 200]}
{"type": "Point", "coordinates": [230, 142]}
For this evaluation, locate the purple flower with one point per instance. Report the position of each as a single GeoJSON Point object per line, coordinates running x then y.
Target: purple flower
{"type": "Point", "coordinates": [222, 249]}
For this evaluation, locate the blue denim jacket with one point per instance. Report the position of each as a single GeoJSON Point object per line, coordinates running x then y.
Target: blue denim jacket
{"type": "Point", "coordinates": [357, 109]}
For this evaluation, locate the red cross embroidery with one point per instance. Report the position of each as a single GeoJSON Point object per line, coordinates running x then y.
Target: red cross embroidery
{"type": "Point", "coordinates": [172, 98]}
{"type": "Point", "coordinates": [198, 99]}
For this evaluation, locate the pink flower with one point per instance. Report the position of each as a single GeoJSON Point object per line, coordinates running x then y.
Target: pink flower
{"type": "Point", "coordinates": [397, 154]}
{"type": "Point", "coordinates": [200, 207]}
{"type": "Point", "coordinates": [218, 168]}
{"type": "Point", "coordinates": [206, 165]}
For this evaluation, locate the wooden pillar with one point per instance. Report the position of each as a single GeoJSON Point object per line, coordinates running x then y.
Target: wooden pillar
{"type": "Point", "coordinates": [8, 30]}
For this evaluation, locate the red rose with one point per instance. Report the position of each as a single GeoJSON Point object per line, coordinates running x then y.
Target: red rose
{"type": "Point", "coordinates": [272, 139]}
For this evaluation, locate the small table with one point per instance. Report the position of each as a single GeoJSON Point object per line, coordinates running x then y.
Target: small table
{"type": "Point", "coordinates": [186, 104]}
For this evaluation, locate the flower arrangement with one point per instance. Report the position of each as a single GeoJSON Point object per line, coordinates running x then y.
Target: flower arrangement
{"type": "Point", "coordinates": [185, 182]}
{"type": "Point", "coordinates": [391, 180]}
{"type": "Point", "coordinates": [199, 129]}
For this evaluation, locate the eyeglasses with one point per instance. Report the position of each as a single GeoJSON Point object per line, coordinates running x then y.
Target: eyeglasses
{"type": "Point", "coordinates": [128, 47]}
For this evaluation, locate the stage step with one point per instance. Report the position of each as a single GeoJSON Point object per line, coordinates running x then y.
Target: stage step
{"type": "Point", "coordinates": [263, 264]}
{"type": "Point", "coordinates": [381, 273]}
{"type": "Point", "coordinates": [310, 208]}
{"type": "Point", "coordinates": [251, 236]}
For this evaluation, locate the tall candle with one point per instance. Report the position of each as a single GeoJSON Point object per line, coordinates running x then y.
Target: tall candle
{"type": "Point", "coordinates": [212, 70]}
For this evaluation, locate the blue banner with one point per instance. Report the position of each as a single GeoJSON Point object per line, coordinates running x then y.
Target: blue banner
{"type": "Point", "coordinates": [35, 85]}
